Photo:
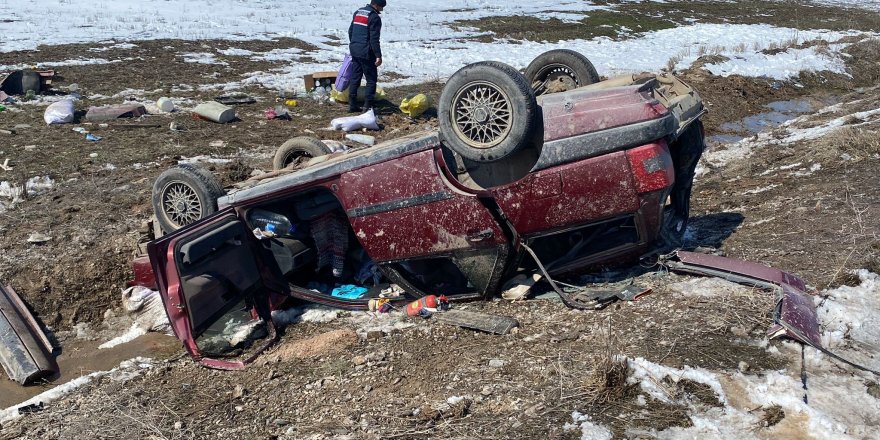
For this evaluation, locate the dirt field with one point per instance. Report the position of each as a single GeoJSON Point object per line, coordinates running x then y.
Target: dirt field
{"type": "Point", "coordinates": [425, 380]}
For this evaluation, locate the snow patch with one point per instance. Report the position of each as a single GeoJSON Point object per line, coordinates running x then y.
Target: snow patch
{"type": "Point", "coordinates": [839, 405]}
{"type": "Point", "coordinates": [649, 376]}
{"type": "Point", "coordinates": [133, 332]}
{"type": "Point", "coordinates": [136, 365]}
{"type": "Point", "coordinates": [589, 430]}
{"type": "Point", "coordinates": [202, 58]}
{"type": "Point", "coordinates": [235, 52]}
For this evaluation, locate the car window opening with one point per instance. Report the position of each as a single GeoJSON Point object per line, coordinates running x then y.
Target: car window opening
{"type": "Point", "coordinates": [440, 276]}
{"type": "Point", "coordinates": [313, 247]}
{"type": "Point", "coordinates": [562, 249]}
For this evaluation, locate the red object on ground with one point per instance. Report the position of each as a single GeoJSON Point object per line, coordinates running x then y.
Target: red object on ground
{"type": "Point", "coordinates": [415, 308]}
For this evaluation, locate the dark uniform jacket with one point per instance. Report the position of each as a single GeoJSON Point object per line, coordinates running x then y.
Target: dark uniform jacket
{"type": "Point", "coordinates": [363, 34]}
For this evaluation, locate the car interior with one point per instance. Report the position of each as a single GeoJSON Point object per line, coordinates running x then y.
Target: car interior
{"type": "Point", "coordinates": [314, 247]}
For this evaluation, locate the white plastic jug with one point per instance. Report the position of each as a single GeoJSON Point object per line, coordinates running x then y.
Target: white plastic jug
{"type": "Point", "coordinates": [165, 104]}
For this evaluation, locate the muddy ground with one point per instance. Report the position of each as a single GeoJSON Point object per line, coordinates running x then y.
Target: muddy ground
{"type": "Point", "coordinates": [405, 383]}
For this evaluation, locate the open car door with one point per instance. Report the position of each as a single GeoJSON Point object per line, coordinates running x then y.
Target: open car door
{"type": "Point", "coordinates": [212, 284]}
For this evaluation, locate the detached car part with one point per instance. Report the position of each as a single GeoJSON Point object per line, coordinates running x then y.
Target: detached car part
{"type": "Point", "coordinates": [795, 315]}
{"type": "Point", "coordinates": [25, 351]}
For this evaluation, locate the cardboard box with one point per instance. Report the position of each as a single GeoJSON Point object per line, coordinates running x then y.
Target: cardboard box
{"type": "Point", "coordinates": [319, 79]}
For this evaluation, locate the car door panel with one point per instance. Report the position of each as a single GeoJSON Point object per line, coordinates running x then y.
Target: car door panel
{"type": "Point", "coordinates": [404, 209]}
{"type": "Point", "coordinates": [211, 282]}
{"type": "Point", "coordinates": [571, 194]}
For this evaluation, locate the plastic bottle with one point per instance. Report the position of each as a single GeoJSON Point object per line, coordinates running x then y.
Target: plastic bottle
{"type": "Point", "coordinates": [271, 222]}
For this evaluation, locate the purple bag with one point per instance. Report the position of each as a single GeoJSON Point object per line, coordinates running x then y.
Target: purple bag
{"type": "Point", "coordinates": [344, 75]}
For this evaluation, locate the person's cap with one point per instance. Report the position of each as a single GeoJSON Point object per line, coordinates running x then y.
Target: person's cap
{"type": "Point", "coordinates": [379, 3]}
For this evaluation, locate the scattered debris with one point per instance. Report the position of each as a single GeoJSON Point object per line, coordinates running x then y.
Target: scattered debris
{"type": "Point", "coordinates": [343, 77]}
{"type": "Point", "coordinates": [414, 105]}
{"type": "Point", "coordinates": [518, 287]}
{"type": "Point", "coordinates": [500, 325]}
{"type": "Point", "coordinates": [603, 297]}
{"type": "Point", "coordinates": [165, 104]}
{"type": "Point", "coordinates": [361, 138]}
{"type": "Point", "coordinates": [20, 82]}
{"type": "Point", "coordinates": [38, 238]}
{"type": "Point", "coordinates": [145, 307]}
{"type": "Point", "coordinates": [5, 166]}
{"type": "Point", "coordinates": [321, 79]}
{"type": "Point", "coordinates": [7, 131]}
{"type": "Point", "coordinates": [427, 305]}
{"type": "Point", "coordinates": [93, 138]}
{"type": "Point", "coordinates": [496, 363]}
{"type": "Point", "coordinates": [110, 112]}
{"type": "Point", "coordinates": [235, 99]}
{"type": "Point", "coordinates": [25, 351]}
{"type": "Point", "coordinates": [215, 111]}
{"type": "Point", "coordinates": [351, 123]}
{"type": "Point", "coordinates": [279, 112]}
{"type": "Point", "coordinates": [335, 146]}
{"type": "Point", "coordinates": [795, 315]}
{"type": "Point", "coordinates": [60, 112]}
{"type": "Point", "coordinates": [341, 95]}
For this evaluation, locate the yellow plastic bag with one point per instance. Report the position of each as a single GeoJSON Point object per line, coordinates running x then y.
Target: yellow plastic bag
{"type": "Point", "coordinates": [415, 105]}
{"type": "Point", "coordinates": [341, 96]}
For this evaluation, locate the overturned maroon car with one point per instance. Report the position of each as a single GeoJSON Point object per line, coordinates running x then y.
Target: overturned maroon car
{"type": "Point", "coordinates": [550, 171]}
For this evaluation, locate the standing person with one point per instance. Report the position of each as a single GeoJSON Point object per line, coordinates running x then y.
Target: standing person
{"type": "Point", "coordinates": [366, 54]}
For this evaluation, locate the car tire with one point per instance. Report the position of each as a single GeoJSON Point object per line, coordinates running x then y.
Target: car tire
{"type": "Point", "coordinates": [560, 70]}
{"type": "Point", "coordinates": [302, 146]}
{"type": "Point", "coordinates": [184, 194]}
{"type": "Point", "coordinates": [686, 152]}
{"type": "Point", "coordinates": [488, 112]}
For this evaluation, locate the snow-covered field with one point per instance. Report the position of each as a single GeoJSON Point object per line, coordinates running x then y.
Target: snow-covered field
{"type": "Point", "coordinates": [418, 41]}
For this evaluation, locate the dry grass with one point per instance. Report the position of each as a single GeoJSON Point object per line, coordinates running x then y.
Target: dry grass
{"type": "Point", "coordinates": [771, 416]}
{"type": "Point", "coordinates": [855, 141]}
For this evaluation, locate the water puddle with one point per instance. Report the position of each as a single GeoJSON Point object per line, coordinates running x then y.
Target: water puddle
{"type": "Point", "coordinates": [80, 357]}
{"type": "Point", "coordinates": [778, 113]}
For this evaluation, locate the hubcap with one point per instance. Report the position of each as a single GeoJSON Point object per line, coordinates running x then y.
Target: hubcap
{"type": "Point", "coordinates": [556, 78]}
{"type": "Point", "coordinates": [482, 114]}
{"type": "Point", "coordinates": [294, 155]}
{"type": "Point", "coordinates": [181, 204]}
